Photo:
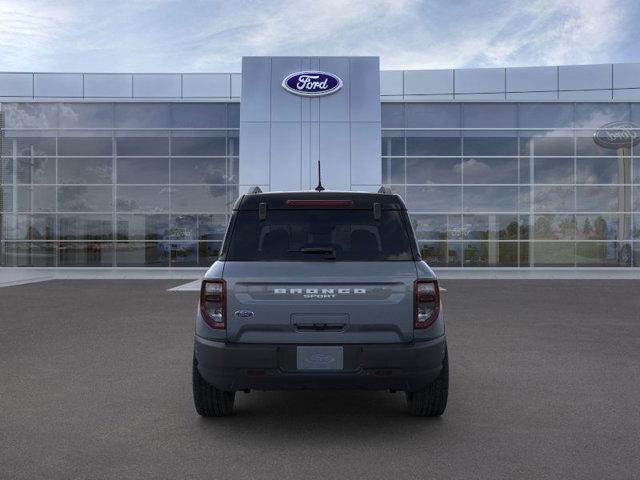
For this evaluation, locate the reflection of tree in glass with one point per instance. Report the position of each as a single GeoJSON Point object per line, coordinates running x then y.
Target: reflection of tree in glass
{"type": "Point", "coordinates": [567, 227]}
{"type": "Point", "coordinates": [600, 227]}
{"type": "Point", "coordinates": [587, 229]}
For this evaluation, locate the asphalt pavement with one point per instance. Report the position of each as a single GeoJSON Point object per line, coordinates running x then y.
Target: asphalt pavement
{"type": "Point", "coordinates": [545, 384]}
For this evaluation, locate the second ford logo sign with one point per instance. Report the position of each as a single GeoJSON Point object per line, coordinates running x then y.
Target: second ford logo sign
{"type": "Point", "coordinates": [617, 135]}
{"type": "Point", "coordinates": [312, 83]}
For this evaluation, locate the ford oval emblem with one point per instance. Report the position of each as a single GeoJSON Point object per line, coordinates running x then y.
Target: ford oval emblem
{"type": "Point", "coordinates": [312, 83]}
{"type": "Point", "coordinates": [617, 135]}
{"type": "Point", "coordinates": [244, 313]}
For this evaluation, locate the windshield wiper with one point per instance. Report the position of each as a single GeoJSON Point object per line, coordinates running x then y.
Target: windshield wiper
{"type": "Point", "coordinates": [330, 253]}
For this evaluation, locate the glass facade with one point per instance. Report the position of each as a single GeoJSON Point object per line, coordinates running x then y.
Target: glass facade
{"type": "Point", "coordinates": [132, 184]}
{"type": "Point", "coordinates": [116, 184]}
{"type": "Point", "coordinates": [515, 184]}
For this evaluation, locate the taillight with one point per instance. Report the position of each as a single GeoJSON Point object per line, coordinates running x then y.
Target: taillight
{"type": "Point", "coordinates": [213, 299]}
{"type": "Point", "coordinates": [426, 303]}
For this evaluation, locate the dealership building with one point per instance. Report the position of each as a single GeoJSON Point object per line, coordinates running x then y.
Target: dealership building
{"type": "Point", "coordinates": [528, 167]}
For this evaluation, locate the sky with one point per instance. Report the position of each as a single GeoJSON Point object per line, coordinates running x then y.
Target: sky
{"type": "Point", "coordinates": [212, 36]}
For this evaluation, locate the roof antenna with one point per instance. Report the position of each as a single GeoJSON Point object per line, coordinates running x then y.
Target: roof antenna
{"type": "Point", "coordinates": [319, 188]}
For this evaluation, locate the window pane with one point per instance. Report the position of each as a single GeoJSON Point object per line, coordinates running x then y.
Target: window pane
{"type": "Point", "coordinates": [524, 199]}
{"type": "Point", "coordinates": [85, 227]}
{"type": "Point", "coordinates": [585, 145]}
{"type": "Point", "coordinates": [603, 254]}
{"type": "Point", "coordinates": [393, 170]}
{"type": "Point", "coordinates": [553, 170]}
{"type": "Point", "coordinates": [433, 143]}
{"type": "Point", "coordinates": [199, 115]}
{"type": "Point", "coordinates": [490, 145]}
{"type": "Point", "coordinates": [233, 170]}
{"type": "Point", "coordinates": [211, 227]}
{"type": "Point", "coordinates": [36, 170]}
{"type": "Point", "coordinates": [6, 199]}
{"type": "Point", "coordinates": [434, 199]}
{"type": "Point", "coordinates": [545, 115]}
{"type": "Point", "coordinates": [85, 170]}
{"type": "Point", "coordinates": [432, 115]}
{"type": "Point", "coordinates": [488, 115]}
{"type": "Point", "coordinates": [553, 254]}
{"type": "Point", "coordinates": [142, 254]}
{"type": "Point", "coordinates": [29, 146]}
{"type": "Point", "coordinates": [35, 227]}
{"type": "Point", "coordinates": [85, 199]}
{"type": "Point", "coordinates": [554, 227]}
{"type": "Point", "coordinates": [603, 170]}
{"type": "Point", "coordinates": [142, 146]}
{"type": "Point", "coordinates": [142, 115]}
{"type": "Point", "coordinates": [546, 144]}
{"type": "Point", "coordinates": [40, 254]}
{"type": "Point", "coordinates": [636, 170]}
{"type": "Point", "coordinates": [491, 199]}
{"type": "Point", "coordinates": [30, 115]}
{"type": "Point", "coordinates": [91, 146]}
{"type": "Point", "coordinates": [437, 227]}
{"type": "Point", "coordinates": [199, 199]}
{"type": "Point", "coordinates": [37, 199]}
{"type": "Point", "coordinates": [213, 144]}
{"type": "Point", "coordinates": [434, 170]}
{"type": "Point", "coordinates": [208, 253]}
{"type": "Point", "coordinates": [442, 254]}
{"type": "Point", "coordinates": [6, 170]}
{"type": "Point", "coordinates": [491, 254]}
{"type": "Point", "coordinates": [392, 115]}
{"type": "Point", "coordinates": [490, 227]}
{"type": "Point", "coordinates": [598, 114]}
{"type": "Point", "coordinates": [603, 227]}
{"type": "Point", "coordinates": [143, 199]}
{"type": "Point", "coordinates": [392, 143]}
{"type": "Point", "coordinates": [183, 253]}
{"type": "Point", "coordinates": [554, 199]}
{"type": "Point", "coordinates": [143, 170]}
{"type": "Point", "coordinates": [233, 112]}
{"type": "Point", "coordinates": [79, 254]}
{"type": "Point", "coordinates": [602, 199]}
{"type": "Point", "coordinates": [199, 170]}
{"type": "Point", "coordinates": [86, 115]}
{"type": "Point", "coordinates": [233, 143]}
{"type": "Point", "coordinates": [142, 227]}
{"type": "Point", "coordinates": [490, 170]}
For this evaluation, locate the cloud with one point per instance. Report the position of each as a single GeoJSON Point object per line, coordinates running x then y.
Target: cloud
{"type": "Point", "coordinates": [169, 35]}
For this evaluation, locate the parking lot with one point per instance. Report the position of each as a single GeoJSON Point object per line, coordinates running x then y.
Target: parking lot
{"type": "Point", "coordinates": [545, 383]}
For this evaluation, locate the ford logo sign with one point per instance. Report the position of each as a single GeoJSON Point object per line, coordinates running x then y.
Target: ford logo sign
{"type": "Point", "coordinates": [312, 83]}
{"type": "Point", "coordinates": [244, 314]}
{"type": "Point", "coordinates": [616, 135]}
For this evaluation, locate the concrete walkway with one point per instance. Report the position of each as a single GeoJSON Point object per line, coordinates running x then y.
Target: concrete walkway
{"type": "Point", "coordinates": [20, 276]}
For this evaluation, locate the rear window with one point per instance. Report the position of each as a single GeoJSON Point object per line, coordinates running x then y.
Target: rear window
{"type": "Point", "coordinates": [320, 235]}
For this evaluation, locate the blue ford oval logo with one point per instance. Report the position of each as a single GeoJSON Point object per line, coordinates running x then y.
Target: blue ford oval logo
{"type": "Point", "coordinates": [244, 313]}
{"type": "Point", "coordinates": [312, 83]}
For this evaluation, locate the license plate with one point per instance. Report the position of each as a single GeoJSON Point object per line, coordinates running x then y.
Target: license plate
{"type": "Point", "coordinates": [319, 358]}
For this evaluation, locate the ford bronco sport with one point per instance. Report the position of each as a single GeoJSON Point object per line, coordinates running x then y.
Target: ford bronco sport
{"type": "Point", "coordinates": [316, 290]}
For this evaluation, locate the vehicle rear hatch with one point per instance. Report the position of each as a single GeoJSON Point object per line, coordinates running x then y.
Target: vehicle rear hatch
{"type": "Point", "coordinates": [320, 268]}
{"type": "Point", "coordinates": [329, 302]}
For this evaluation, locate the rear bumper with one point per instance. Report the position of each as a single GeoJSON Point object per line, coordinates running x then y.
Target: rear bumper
{"type": "Point", "coordinates": [232, 367]}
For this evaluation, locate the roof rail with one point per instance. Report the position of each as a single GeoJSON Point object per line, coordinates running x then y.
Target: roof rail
{"type": "Point", "coordinates": [254, 190]}
{"type": "Point", "coordinates": [384, 190]}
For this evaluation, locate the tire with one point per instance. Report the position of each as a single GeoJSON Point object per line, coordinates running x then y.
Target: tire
{"type": "Point", "coordinates": [208, 400]}
{"type": "Point", "coordinates": [431, 401]}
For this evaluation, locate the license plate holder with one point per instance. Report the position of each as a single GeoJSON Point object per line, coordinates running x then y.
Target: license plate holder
{"type": "Point", "coordinates": [314, 358]}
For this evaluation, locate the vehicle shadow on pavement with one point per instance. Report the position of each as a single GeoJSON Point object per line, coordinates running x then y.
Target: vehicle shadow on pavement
{"type": "Point", "coordinates": [321, 414]}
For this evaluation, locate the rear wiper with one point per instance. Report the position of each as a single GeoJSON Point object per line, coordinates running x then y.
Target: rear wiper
{"type": "Point", "coordinates": [330, 253]}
